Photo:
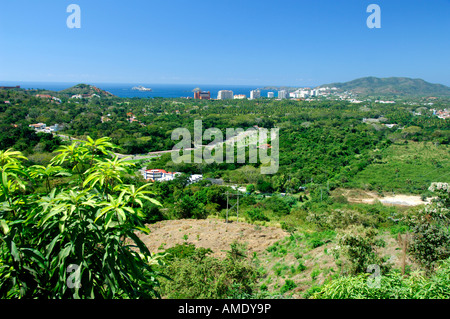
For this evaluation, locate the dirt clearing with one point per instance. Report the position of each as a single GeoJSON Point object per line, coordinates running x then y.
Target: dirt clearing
{"type": "Point", "coordinates": [368, 197]}
{"type": "Point", "coordinates": [210, 233]}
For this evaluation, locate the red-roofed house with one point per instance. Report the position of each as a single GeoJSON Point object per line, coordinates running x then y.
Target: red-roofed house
{"type": "Point", "coordinates": [39, 126]}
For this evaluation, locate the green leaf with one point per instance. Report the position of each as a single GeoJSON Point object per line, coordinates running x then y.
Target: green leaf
{"type": "Point", "coordinates": [4, 226]}
{"type": "Point", "coordinates": [154, 201]}
{"type": "Point", "coordinates": [35, 255]}
{"type": "Point", "coordinates": [65, 252]}
{"type": "Point", "coordinates": [143, 229]}
{"type": "Point", "coordinates": [139, 243]}
{"type": "Point", "coordinates": [129, 209]}
{"type": "Point", "coordinates": [5, 184]}
{"type": "Point", "coordinates": [121, 214]}
{"type": "Point", "coordinates": [15, 252]}
{"type": "Point", "coordinates": [54, 211]}
{"type": "Point", "coordinates": [51, 246]}
{"type": "Point", "coordinates": [102, 212]}
{"type": "Point", "coordinates": [137, 200]}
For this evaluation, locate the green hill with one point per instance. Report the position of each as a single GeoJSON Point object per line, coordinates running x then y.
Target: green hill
{"type": "Point", "coordinates": [85, 90]}
{"type": "Point", "coordinates": [392, 86]}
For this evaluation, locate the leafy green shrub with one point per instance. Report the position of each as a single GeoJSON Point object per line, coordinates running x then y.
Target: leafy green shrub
{"type": "Point", "coordinates": [392, 286]}
{"type": "Point", "coordinates": [301, 267]}
{"type": "Point", "coordinates": [277, 205]}
{"type": "Point", "coordinates": [184, 250]}
{"type": "Point", "coordinates": [273, 248]}
{"type": "Point", "coordinates": [152, 214]}
{"type": "Point", "coordinates": [288, 227]}
{"type": "Point", "coordinates": [288, 285]}
{"type": "Point", "coordinates": [78, 241]}
{"type": "Point", "coordinates": [430, 229]}
{"type": "Point", "coordinates": [250, 188]}
{"type": "Point", "coordinates": [430, 244]}
{"type": "Point", "coordinates": [318, 239]}
{"type": "Point", "coordinates": [297, 255]}
{"type": "Point", "coordinates": [264, 186]}
{"type": "Point", "coordinates": [399, 229]}
{"type": "Point", "coordinates": [315, 273]}
{"type": "Point", "coordinates": [247, 201]}
{"type": "Point", "coordinates": [320, 194]}
{"type": "Point", "coordinates": [357, 246]}
{"type": "Point", "coordinates": [188, 207]}
{"type": "Point", "coordinates": [256, 214]}
{"type": "Point", "coordinates": [312, 291]}
{"type": "Point", "coordinates": [290, 200]}
{"type": "Point", "coordinates": [238, 251]}
{"type": "Point", "coordinates": [277, 250]}
{"type": "Point", "coordinates": [341, 199]}
{"type": "Point", "coordinates": [194, 274]}
{"type": "Point", "coordinates": [314, 243]}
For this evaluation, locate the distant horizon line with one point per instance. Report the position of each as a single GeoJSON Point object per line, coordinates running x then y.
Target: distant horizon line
{"type": "Point", "coordinates": [142, 83]}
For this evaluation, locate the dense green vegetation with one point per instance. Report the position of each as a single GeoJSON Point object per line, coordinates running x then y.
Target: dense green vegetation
{"type": "Point", "coordinates": [410, 167]}
{"type": "Point", "coordinates": [391, 286]}
{"type": "Point", "coordinates": [320, 142]}
{"type": "Point", "coordinates": [77, 240]}
{"type": "Point", "coordinates": [194, 274]}
{"type": "Point", "coordinates": [66, 203]}
{"type": "Point", "coordinates": [25, 139]}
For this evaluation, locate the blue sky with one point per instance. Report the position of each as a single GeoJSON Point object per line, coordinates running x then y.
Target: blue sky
{"type": "Point", "coordinates": [242, 42]}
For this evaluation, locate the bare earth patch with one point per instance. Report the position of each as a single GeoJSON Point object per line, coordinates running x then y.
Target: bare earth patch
{"type": "Point", "coordinates": [368, 197]}
{"type": "Point", "coordinates": [210, 233]}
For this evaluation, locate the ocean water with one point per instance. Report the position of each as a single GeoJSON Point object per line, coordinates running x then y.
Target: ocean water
{"type": "Point", "coordinates": [158, 90]}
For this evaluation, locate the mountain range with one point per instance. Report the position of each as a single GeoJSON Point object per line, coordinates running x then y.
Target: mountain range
{"type": "Point", "coordinates": [392, 86]}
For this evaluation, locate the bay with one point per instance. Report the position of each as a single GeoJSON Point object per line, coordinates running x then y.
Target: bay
{"type": "Point", "coordinates": [158, 90]}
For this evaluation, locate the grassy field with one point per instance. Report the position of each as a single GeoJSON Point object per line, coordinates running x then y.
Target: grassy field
{"type": "Point", "coordinates": [407, 168]}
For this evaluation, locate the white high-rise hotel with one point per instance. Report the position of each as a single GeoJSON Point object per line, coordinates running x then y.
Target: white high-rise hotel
{"type": "Point", "coordinates": [224, 95]}
{"type": "Point", "coordinates": [282, 94]}
{"type": "Point", "coordinates": [255, 94]}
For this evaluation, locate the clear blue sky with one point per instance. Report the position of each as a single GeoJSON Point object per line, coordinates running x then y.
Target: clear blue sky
{"type": "Point", "coordinates": [223, 42]}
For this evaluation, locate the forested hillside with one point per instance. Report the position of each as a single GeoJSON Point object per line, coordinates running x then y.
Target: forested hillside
{"type": "Point", "coordinates": [320, 141]}
{"type": "Point", "coordinates": [393, 86]}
